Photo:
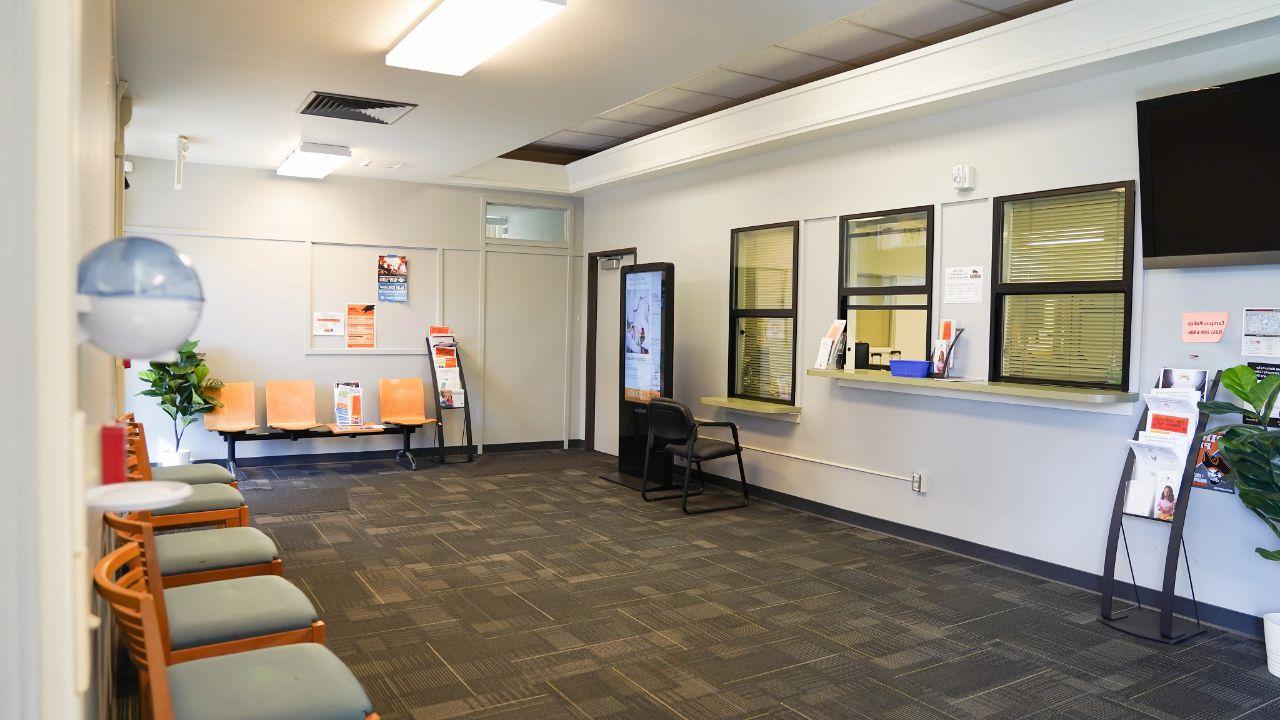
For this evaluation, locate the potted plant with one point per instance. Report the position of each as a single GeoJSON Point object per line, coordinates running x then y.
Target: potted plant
{"type": "Point", "coordinates": [1253, 452]}
{"type": "Point", "coordinates": [183, 389]}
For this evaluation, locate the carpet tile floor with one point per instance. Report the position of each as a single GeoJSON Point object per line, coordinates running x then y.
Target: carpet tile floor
{"type": "Point", "coordinates": [524, 586]}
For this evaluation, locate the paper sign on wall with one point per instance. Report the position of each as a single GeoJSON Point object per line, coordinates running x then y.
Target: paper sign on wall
{"type": "Point", "coordinates": [361, 332]}
{"type": "Point", "coordinates": [1261, 333]}
{"type": "Point", "coordinates": [1203, 327]}
{"type": "Point", "coordinates": [326, 323]}
{"type": "Point", "coordinates": [962, 284]}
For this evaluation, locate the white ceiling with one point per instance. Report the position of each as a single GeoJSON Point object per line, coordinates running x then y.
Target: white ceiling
{"type": "Point", "coordinates": [231, 75]}
{"type": "Point", "coordinates": [883, 30]}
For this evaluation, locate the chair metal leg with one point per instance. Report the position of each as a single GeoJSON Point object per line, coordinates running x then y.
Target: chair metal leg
{"type": "Point", "coordinates": [688, 473]}
{"type": "Point", "coordinates": [698, 511]}
{"type": "Point", "coordinates": [405, 452]}
{"type": "Point", "coordinates": [742, 475]}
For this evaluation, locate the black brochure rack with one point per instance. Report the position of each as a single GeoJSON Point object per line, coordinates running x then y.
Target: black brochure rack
{"type": "Point", "coordinates": [470, 445]}
{"type": "Point", "coordinates": [1157, 623]}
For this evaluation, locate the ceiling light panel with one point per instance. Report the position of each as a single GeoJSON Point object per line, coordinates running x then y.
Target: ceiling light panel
{"type": "Point", "coordinates": [841, 41]}
{"type": "Point", "coordinates": [917, 18]}
{"type": "Point", "coordinates": [727, 83]}
{"type": "Point", "coordinates": [458, 35]}
{"type": "Point", "coordinates": [313, 160]}
{"type": "Point", "coordinates": [779, 64]}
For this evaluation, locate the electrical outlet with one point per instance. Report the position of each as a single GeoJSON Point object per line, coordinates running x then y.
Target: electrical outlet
{"type": "Point", "coordinates": [917, 482]}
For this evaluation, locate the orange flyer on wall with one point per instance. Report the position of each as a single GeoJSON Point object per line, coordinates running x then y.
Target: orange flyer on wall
{"type": "Point", "coordinates": [361, 331]}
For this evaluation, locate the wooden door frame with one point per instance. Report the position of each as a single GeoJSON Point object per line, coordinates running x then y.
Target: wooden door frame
{"type": "Point", "coordinates": [593, 292]}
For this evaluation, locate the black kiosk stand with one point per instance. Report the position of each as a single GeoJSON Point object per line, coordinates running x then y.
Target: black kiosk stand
{"type": "Point", "coordinates": [647, 325]}
{"type": "Point", "coordinates": [1159, 623]}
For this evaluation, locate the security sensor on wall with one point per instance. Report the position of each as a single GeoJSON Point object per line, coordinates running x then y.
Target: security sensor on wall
{"type": "Point", "coordinates": [962, 177]}
{"type": "Point", "coordinates": [183, 146]}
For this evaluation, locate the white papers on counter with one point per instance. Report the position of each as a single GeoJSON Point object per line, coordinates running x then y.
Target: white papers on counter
{"type": "Point", "coordinates": [831, 345]}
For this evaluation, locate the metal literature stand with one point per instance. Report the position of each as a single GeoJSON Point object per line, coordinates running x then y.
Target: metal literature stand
{"type": "Point", "coordinates": [466, 407]}
{"type": "Point", "coordinates": [1157, 623]}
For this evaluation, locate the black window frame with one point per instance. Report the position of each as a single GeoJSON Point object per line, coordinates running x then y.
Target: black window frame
{"type": "Point", "coordinates": [735, 313]}
{"type": "Point", "coordinates": [1001, 289]}
{"type": "Point", "coordinates": [845, 291]}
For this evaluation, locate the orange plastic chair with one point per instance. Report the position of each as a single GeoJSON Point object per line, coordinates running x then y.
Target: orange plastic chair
{"type": "Point", "coordinates": [291, 404]}
{"type": "Point", "coordinates": [403, 402]}
{"type": "Point", "coordinates": [239, 411]}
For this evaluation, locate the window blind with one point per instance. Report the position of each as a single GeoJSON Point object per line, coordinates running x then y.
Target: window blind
{"type": "Point", "coordinates": [764, 271]}
{"type": "Point", "coordinates": [1065, 238]}
{"type": "Point", "coordinates": [766, 354]}
{"type": "Point", "coordinates": [1064, 338]}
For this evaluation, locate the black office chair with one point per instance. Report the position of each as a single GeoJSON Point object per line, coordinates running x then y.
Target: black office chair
{"type": "Point", "coordinates": [672, 424]}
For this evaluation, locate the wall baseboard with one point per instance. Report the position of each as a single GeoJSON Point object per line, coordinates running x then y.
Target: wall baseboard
{"type": "Point", "coordinates": [1225, 618]}
{"type": "Point", "coordinates": [423, 455]}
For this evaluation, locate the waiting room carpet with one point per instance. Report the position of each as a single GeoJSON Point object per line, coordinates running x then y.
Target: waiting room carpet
{"type": "Point", "coordinates": [544, 592]}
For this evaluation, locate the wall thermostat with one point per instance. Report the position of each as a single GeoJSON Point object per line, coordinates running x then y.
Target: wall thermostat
{"type": "Point", "coordinates": [962, 177]}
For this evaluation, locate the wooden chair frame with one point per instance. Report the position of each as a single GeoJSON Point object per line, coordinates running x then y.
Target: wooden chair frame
{"type": "Point", "coordinates": [138, 458]}
{"type": "Point", "coordinates": [138, 526]}
{"type": "Point", "coordinates": [120, 579]}
{"type": "Point", "coordinates": [148, 564]}
{"type": "Point", "coordinates": [138, 469]}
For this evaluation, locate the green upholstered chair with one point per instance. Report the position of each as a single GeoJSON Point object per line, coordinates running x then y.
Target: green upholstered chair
{"type": "Point", "coordinates": [194, 474]}
{"type": "Point", "coordinates": [224, 616]}
{"type": "Point", "coordinates": [292, 682]}
{"type": "Point", "coordinates": [199, 556]}
{"type": "Point", "coordinates": [209, 504]}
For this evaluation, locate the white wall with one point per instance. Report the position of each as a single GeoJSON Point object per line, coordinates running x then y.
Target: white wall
{"type": "Point", "coordinates": [271, 250]}
{"type": "Point", "coordinates": [1035, 481]}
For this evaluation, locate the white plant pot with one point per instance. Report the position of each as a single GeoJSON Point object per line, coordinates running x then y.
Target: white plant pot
{"type": "Point", "coordinates": [1271, 632]}
{"type": "Point", "coordinates": [171, 458]}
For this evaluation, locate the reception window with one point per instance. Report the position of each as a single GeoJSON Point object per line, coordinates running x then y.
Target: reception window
{"type": "Point", "coordinates": [1063, 283]}
{"type": "Point", "coordinates": [762, 312]}
{"type": "Point", "coordinates": [886, 282]}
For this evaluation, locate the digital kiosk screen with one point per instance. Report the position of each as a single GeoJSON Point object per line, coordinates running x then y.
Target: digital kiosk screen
{"type": "Point", "coordinates": [642, 337]}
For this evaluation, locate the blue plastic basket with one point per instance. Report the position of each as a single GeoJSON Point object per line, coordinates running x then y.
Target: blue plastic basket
{"type": "Point", "coordinates": [909, 368]}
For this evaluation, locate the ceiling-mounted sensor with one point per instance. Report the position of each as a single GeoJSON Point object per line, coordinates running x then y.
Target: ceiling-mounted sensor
{"type": "Point", "coordinates": [350, 107]}
{"type": "Point", "coordinates": [382, 164]}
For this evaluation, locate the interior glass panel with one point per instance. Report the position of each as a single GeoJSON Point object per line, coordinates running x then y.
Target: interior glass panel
{"type": "Point", "coordinates": [887, 250]}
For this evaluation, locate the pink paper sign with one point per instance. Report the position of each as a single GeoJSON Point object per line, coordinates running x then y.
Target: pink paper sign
{"type": "Point", "coordinates": [1203, 327]}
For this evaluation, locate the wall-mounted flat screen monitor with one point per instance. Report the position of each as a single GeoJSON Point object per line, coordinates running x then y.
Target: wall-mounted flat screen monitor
{"type": "Point", "coordinates": [646, 296]}
{"type": "Point", "coordinates": [1210, 175]}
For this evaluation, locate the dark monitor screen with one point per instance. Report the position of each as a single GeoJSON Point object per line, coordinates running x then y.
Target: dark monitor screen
{"type": "Point", "coordinates": [1210, 172]}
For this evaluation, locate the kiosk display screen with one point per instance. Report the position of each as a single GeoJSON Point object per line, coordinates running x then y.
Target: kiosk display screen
{"type": "Point", "coordinates": [643, 337]}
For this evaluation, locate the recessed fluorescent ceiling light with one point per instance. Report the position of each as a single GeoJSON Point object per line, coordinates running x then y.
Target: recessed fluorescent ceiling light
{"type": "Point", "coordinates": [313, 160]}
{"type": "Point", "coordinates": [460, 34]}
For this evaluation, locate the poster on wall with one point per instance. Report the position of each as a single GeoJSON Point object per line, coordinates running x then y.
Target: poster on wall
{"type": "Point", "coordinates": [327, 323]}
{"type": "Point", "coordinates": [1261, 334]}
{"type": "Point", "coordinates": [346, 404]}
{"type": "Point", "coordinates": [642, 362]}
{"type": "Point", "coordinates": [393, 279]}
{"type": "Point", "coordinates": [361, 330]}
{"type": "Point", "coordinates": [1262, 370]}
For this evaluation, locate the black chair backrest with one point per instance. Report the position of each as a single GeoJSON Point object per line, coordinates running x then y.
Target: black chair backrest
{"type": "Point", "coordinates": [669, 420]}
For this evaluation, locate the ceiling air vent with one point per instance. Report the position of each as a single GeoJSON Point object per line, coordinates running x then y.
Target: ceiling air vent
{"type": "Point", "coordinates": [347, 107]}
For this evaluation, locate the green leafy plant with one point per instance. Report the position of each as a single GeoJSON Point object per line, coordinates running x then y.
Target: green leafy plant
{"type": "Point", "coordinates": [1252, 451]}
{"type": "Point", "coordinates": [182, 388]}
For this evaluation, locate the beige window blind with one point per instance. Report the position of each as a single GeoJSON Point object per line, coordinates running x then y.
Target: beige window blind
{"type": "Point", "coordinates": [1071, 328]}
{"type": "Point", "coordinates": [763, 313]}
{"type": "Point", "coordinates": [766, 353]}
{"type": "Point", "coordinates": [1064, 338]}
{"type": "Point", "coordinates": [1065, 238]}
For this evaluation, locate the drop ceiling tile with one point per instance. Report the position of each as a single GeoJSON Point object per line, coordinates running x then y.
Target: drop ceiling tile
{"type": "Point", "coordinates": [902, 48]}
{"type": "Point", "coordinates": [779, 63]}
{"type": "Point", "coordinates": [673, 98]}
{"type": "Point", "coordinates": [917, 18]}
{"type": "Point", "coordinates": [841, 41]}
{"type": "Point", "coordinates": [727, 83]}
{"type": "Point", "coordinates": [612, 128]}
{"type": "Point", "coordinates": [964, 28]}
{"type": "Point", "coordinates": [996, 5]}
{"type": "Point", "coordinates": [634, 112]}
{"type": "Point", "coordinates": [569, 138]}
{"type": "Point", "coordinates": [1027, 8]}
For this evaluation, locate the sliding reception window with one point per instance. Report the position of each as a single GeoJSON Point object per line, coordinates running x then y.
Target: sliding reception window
{"type": "Point", "coordinates": [762, 312]}
{"type": "Point", "coordinates": [1063, 269]}
{"type": "Point", "coordinates": [886, 284]}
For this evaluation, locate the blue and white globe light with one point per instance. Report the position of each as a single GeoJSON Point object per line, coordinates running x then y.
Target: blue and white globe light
{"type": "Point", "coordinates": [138, 298]}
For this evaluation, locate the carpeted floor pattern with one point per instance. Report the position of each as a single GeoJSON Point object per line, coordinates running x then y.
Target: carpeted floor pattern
{"type": "Point", "coordinates": [524, 586]}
